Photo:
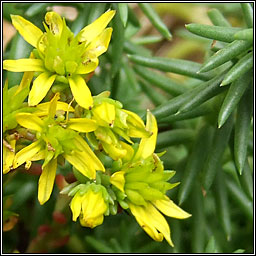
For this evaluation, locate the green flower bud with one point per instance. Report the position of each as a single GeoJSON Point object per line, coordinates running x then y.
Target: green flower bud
{"type": "Point", "coordinates": [113, 209]}
{"type": "Point", "coordinates": [123, 204]}
{"type": "Point", "coordinates": [151, 194]}
{"type": "Point", "coordinates": [58, 87]}
{"type": "Point", "coordinates": [68, 188]}
{"type": "Point", "coordinates": [62, 79]}
{"type": "Point", "coordinates": [75, 189]}
{"type": "Point", "coordinates": [135, 197]}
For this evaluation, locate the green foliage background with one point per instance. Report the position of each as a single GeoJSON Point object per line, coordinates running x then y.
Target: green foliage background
{"type": "Point", "coordinates": [143, 69]}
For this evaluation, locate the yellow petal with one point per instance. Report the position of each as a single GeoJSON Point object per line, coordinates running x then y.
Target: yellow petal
{"type": "Point", "coordinates": [151, 220]}
{"type": "Point", "coordinates": [169, 208]}
{"type": "Point", "coordinates": [39, 155]}
{"type": "Point", "coordinates": [137, 132]}
{"type": "Point", "coordinates": [93, 208]}
{"type": "Point", "coordinates": [55, 22]}
{"type": "Point", "coordinates": [43, 108]}
{"type": "Point", "coordinates": [100, 44]}
{"type": "Point", "coordinates": [46, 181]}
{"type": "Point", "coordinates": [129, 151]}
{"type": "Point", "coordinates": [83, 146]}
{"type": "Point", "coordinates": [104, 94]}
{"type": "Point", "coordinates": [87, 66]}
{"type": "Point", "coordinates": [28, 31]}
{"type": "Point", "coordinates": [122, 133]}
{"type": "Point", "coordinates": [118, 180]}
{"type": "Point", "coordinates": [42, 45]}
{"type": "Point", "coordinates": [53, 105]}
{"type": "Point", "coordinates": [105, 135]}
{"type": "Point", "coordinates": [91, 222]}
{"type": "Point", "coordinates": [82, 163]}
{"type": "Point", "coordinates": [82, 124]}
{"type": "Point", "coordinates": [94, 29]}
{"type": "Point", "coordinates": [27, 153]}
{"type": "Point", "coordinates": [8, 157]}
{"type": "Point", "coordinates": [30, 121]}
{"type": "Point", "coordinates": [105, 112]}
{"type": "Point", "coordinates": [114, 151]}
{"type": "Point", "coordinates": [48, 157]}
{"type": "Point", "coordinates": [23, 65]}
{"type": "Point", "coordinates": [40, 87]}
{"type": "Point", "coordinates": [76, 206]}
{"type": "Point", "coordinates": [28, 165]}
{"type": "Point", "coordinates": [64, 106]}
{"type": "Point", "coordinates": [143, 219]}
{"type": "Point", "coordinates": [147, 145]}
{"type": "Point", "coordinates": [26, 79]}
{"type": "Point", "coordinates": [80, 91]}
{"type": "Point", "coordinates": [134, 118]}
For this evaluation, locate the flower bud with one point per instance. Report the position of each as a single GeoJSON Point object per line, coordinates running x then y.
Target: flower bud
{"type": "Point", "coordinates": [90, 206]}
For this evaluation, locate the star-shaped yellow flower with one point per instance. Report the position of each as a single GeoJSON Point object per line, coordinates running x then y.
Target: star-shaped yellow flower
{"type": "Point", "coordinates": [113, 122]}
{"type": "Point", "coordinates": [61, 56]}
{"type": "Point", "coordinates": [13, 103]}
{"type": "Point", "coordinates": [53, 140]}
{"type": "Point", "coordinates": [142, 183]}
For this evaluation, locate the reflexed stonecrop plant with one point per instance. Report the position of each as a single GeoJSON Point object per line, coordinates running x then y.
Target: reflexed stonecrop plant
{"type": "Point", "coordinates": [58, 132]}
{"type": "Point", "coordinates": [77, 118]}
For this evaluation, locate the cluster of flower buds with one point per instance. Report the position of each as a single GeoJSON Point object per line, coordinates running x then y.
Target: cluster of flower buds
{"type": "Point", "coordinates": [83, 130]}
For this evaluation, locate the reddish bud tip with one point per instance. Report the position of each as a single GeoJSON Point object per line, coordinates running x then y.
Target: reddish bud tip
{"type": "Point", "coordinates": [59, 217]}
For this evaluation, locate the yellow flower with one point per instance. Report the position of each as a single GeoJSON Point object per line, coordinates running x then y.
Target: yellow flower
{"type": "Point", "coordinates": [52, 141]}
{"type": "Point", "coordinates": [8, 155]}
{"type": "Point", "coordinates": [114, 121]}
{"type": "Point", "coordinates": [61, 56]}
{"type": "Point", "coordinates": [142, 184]}
{"type": "Point", "coordinates": [13, 103]}
{"type": "Point", "coordinates": [153, 222]}
{"type": "Point", "coordinates": [89, 206]}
